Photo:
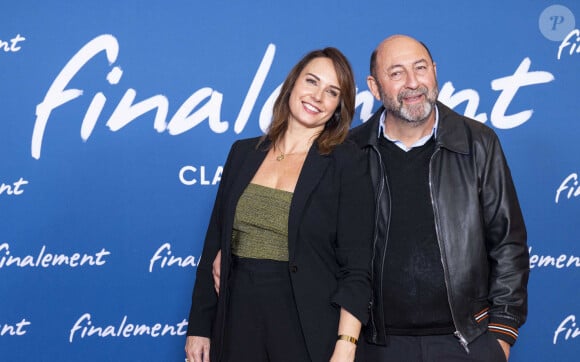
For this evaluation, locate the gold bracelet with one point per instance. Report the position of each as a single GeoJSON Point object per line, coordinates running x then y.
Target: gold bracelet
{"type": "Point", "coordinates": [344, 337]}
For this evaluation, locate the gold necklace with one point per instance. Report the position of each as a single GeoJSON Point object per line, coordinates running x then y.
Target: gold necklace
{"type": "Point", "coordinates": [283, 155]}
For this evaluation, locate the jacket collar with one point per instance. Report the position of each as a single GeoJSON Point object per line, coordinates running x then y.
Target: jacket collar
{"type": "Point", "coordinates": [451, 131]}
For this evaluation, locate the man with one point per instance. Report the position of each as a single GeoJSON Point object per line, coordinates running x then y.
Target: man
{"type": "Point", "coordinates": [450, 261]}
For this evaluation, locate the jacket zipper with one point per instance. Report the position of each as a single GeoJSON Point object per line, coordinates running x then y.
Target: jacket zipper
{"type": "Point", "coordinates": [382, 183]}
{"type": "Point", "coordinates": [457, 333]}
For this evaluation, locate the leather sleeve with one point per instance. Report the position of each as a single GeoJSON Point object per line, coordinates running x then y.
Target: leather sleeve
{"type": "Point", "coordinates": [507, 248]}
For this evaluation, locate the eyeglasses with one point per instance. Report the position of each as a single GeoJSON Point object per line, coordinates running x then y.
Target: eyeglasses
{"type": "Point", "coordinates": [400, 73]}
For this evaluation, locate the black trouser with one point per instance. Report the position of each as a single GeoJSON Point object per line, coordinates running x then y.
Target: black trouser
{"type": "Point", "coordinates": [262, 322]}
{"type": "Point", "coordinates": [441, 348]}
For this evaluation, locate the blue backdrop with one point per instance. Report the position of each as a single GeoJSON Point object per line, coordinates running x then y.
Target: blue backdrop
{"type": "Point", "coordinates": [116, 117]}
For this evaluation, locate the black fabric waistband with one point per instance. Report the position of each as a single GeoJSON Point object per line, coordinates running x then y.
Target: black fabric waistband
{"type": "Point", "coordinates": [259, 265]}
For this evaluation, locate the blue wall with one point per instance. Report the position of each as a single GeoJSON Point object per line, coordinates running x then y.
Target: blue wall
{"type": "Point", "coordinates": [116, 116]}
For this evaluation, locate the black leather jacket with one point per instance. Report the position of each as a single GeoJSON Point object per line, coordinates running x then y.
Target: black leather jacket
{"type": "Point", "coordinates": [478, 221]}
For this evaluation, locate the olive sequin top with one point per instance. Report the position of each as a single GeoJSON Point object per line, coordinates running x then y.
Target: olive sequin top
{"type": "Point", "coordinates": [260, 229]}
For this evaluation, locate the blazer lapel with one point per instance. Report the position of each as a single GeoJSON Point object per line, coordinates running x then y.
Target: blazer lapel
{"type": "Point", "coordinates": [246, 172]}
{"type": "Point", "coordinates": [310, 175]}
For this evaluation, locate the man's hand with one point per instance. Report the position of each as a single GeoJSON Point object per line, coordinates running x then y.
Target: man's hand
{"type": "Point", "coordinates": [197, 349]}
{"type": "Point", "coordinates": [506, 348]}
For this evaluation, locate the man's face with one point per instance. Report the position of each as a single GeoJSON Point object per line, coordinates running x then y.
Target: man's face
{"type": "Point", "coordinates": [406, 80]}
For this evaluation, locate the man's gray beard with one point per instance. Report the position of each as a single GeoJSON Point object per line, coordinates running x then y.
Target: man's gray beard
{"type": "Point", "coordinates": [415, 115]}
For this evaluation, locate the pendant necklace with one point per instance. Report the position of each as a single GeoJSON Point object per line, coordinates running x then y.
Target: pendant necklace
{"type": "Point", "coordinates": [283, 155]}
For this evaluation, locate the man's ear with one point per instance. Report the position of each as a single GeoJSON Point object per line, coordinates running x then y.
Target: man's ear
{"type": "Point", "coordinates": [374, 87]}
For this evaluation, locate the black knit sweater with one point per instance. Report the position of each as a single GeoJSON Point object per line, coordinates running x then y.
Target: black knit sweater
{"type": "Point", "coordinates": [414, 289]}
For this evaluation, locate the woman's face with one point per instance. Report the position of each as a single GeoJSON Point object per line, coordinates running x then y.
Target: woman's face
{"type": "Point", "coordinates": [315, 96]}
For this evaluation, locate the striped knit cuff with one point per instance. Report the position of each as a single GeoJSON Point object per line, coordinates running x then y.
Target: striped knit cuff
{"type": "Point", "coordinates": [503, 329]}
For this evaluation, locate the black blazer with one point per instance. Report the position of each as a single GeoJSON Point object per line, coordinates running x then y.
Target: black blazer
{"type": "Point", "coordinates": [330, 230]}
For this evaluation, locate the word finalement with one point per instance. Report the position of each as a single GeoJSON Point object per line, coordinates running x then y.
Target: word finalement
{"type": "Point", "coordinates": [84, 326]}
{"type": "Point", "coordinates": [46, 259]}
{"type": "Point", "coordinates": [164, 258]}
{"type": "Point", "coordinates": [206, 103]}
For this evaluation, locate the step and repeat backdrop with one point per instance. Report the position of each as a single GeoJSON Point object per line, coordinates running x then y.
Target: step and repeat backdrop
{"type": "Point", "coordinates": [116, 118]}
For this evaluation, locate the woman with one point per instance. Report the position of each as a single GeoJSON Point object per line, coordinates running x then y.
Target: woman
{"type": "Point", "coordinates": [293, 221]}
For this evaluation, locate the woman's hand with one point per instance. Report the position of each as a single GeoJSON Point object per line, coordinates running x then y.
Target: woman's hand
{"type": "Point", "coordinates": [348, 325]}
{"type": "Point", "coordinates": [344, 351]}
{"type": "Point", "coordinates": [217, 263]}
{"type": "Point", "coordinates": [197, 349]}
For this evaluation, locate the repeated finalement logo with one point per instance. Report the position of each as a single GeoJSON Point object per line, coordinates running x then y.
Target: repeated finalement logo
{"type": "Point", "coordinates": [567, 330]}
{"type": "Point", "coordinates": [46, 258]}
{"type": "Point", "coordinates": [85, 327]}
{"type": "Point", "coordinates": [556, 262]}
{"type": "Point", "coordinates": [568, 189]}
{"type": "Point", "coordinates": [164, 258]}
